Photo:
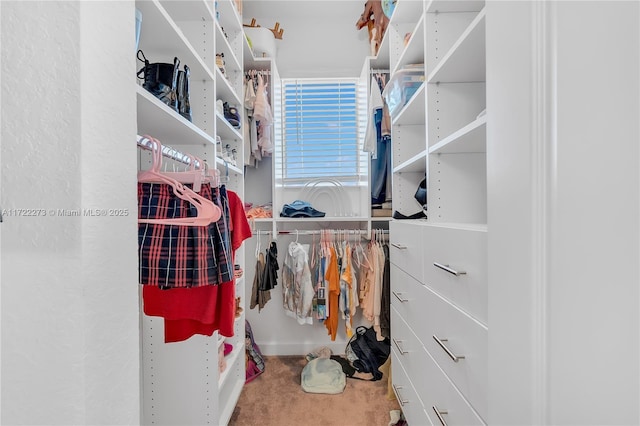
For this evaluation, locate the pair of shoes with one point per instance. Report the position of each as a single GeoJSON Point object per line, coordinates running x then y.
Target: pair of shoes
{"type": "Point", "coordinates": [300, 209]}
{"type": "Point", "coordinates": [167, 83]}
{"type": "Point", "coordinates": [420, 215]}
{"type": "Point", "coordinates": [231, 115]}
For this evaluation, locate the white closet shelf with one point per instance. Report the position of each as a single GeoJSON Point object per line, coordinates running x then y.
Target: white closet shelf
{"type": "Point", "coordinates": [471, 138]}
{"type": "Point", "coordinates": [229, 396]}
{"type": "Point", "coordinates": [223, 46]}
{"type": "Point", "coordinates": [413, 112]}
{"type": "Point", "coordinates": [229, 16]}
{"type": "Point", "coordinates": [225, 130]}
{"type": "Point", "coordinates": [414, 52]}
{"type": "Point", "coordinates": [321, 219]}
{"type": "Point", "coordinates": [156, 119]}
{"type": "Point", "coordinates": [252, 62]}
{"type": "Point", "coordinates": [481, 227]}
{"type": "Point", "coordinates": [168, 41]}
{"type": "Point", "coordinates": [220, 162]}
{"type": "Point", "coordinates": [225, 91]}
{"type": "Point", "coordinates": [417, 163]}
{"type": "Point", "coordinates": [231, 358]}
{"type": "Point", "coordinates": [381, 60]}
{"type": "Point", "coordinates": [465, 61]}
{"type": "Point", "coordinates": [193, 10]}
{"type": "Point", "coordinates": [406, 11]}
{"type": "Point", "coordinates": [443, 6]}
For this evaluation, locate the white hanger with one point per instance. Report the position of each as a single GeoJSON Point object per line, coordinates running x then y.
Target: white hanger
{"type": "Point", "coordinates": [207, 211]}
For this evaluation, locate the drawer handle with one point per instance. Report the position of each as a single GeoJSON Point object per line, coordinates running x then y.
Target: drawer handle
{"type": "Point", "coordinates": [402, 351]}
{"type": "Point", "coordinates": [439, 413]}
{"type": "Point", "coordinates": [400, 400]}
{"type": "Point", "coordinates": [453, 356]}
{"type": "Point", "coordinates": [397, 295]}
{"type": "Point", "coordinates": [448, 269]}
{"type": "Point", "coordinates": [399, 246]}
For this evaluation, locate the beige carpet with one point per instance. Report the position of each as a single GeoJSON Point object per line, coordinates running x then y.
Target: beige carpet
{"type": "Point", "coordinates": [276, 398]}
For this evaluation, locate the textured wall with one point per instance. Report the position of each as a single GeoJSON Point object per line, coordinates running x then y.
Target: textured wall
{"type": "Point", "coordinates": [69, 293]}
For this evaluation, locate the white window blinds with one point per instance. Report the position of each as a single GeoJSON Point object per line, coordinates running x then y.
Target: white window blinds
{"type": "Point", "coordinates": [321, 131]}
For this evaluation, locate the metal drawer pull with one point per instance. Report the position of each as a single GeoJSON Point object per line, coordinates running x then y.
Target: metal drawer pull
{"type": "Point", "coordinates": [402, 352]}
{"type": "Point", "coordinates": [448, 269]}
{"type": "Point", "coordinates": [453, 356]}
{"type": "Point", "coordinates": [439, 413]}
{"type": "Point", "coordinates": [397, 295]}
{"type": "Point", "coordinates": [400, 400]}
{"type": "Point", "coordinates": [399, 246]}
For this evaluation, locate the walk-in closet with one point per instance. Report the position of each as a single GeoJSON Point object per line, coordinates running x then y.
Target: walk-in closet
{"type": "Point", "coordinates": [337, 213]}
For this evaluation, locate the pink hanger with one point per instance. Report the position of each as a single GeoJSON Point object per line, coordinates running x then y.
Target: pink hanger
{"type": "Point", "coordinates": [207, 211]}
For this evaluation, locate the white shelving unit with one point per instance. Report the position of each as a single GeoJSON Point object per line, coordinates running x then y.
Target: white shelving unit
{"type": "Point", "coordinates": [440, 277]}
{"type": "Point", "coordinates": [181, 382]}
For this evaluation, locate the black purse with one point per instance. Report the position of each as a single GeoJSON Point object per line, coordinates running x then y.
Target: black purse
{"type": "Point", "coordinates": [421, 193]}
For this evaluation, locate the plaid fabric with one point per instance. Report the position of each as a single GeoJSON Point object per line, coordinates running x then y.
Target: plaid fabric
{"type": "Point", "coordinates": [220, 238]}
{"type": "Point", "coordinates": [172, 256]}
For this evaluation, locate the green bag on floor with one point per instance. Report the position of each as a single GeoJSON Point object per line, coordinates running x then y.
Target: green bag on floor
{"type": "Point", "coordinates": [323, 375]}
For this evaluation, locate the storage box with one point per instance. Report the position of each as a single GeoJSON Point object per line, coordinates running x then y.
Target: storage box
{"type": "Point", "coordinates": [402, 86]}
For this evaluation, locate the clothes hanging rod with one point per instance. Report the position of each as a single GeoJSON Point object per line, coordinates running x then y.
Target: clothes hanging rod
{"type": "Point", "coordinates": [361, 232]}
{"type": "Point", "coordinates": [263, 72]}
{"type": "Point", "coordinates": [167, 151]}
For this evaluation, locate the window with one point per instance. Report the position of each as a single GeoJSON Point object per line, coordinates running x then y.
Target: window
{"type": "Point", "coordinates": [320, 132]}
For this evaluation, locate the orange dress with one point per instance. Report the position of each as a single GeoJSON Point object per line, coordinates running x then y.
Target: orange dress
{"type": "Point", "coordinates": [333, 277]}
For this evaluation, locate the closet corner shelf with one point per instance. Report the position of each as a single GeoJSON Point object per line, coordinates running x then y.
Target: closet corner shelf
{"type": "Point", "coordinates": [225, 91]}
{"type": "Point", "coordinates": [223, 46]}
{"type": "Point", "coordinates": [169, 41]}
{"type": "Point", "coordinates": [414, 52]}
{"type": "Point", "coordinates": [465, 61]}
{"type": "Point", "coordinates": [225, 130]}
{"type": "Point", "coordinates": [471, 138]}
{"type": "Point", "coordinates": [413, 112]}
{"type": "Point", "coordinates": [417, 163]}
{"type": "Point", "coordinates": [254, 62]}
{"type": "Point", "coordinates": [156, 119]}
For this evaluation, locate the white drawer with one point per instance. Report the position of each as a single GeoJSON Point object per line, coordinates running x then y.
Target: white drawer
{"type": "Point", "coordinates": [410, 404]}
{"type": "Point", "coordinates": [406, 248]}
{"type": "Point", "coordinates": [410, 352]}
{"type": "Point", "coordinates": [438, 393]}
{"type": "Point", "coordinates": [460, 336]}
{"type": "Point", "coordinates": [459, 250]}
{"type": "Point", "coordinates": [407, 296]}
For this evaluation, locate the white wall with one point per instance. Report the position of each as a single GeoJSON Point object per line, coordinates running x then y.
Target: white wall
{"type": "Point", "coordinates": [320, 37]}
{"type": "Point", "coordinates": [70, 351]}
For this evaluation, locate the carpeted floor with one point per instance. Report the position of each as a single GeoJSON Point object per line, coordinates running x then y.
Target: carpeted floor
{"type": "Point", "coordinates": [276, 398]}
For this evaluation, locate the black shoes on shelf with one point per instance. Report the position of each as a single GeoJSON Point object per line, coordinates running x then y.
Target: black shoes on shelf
{"type": "Point", "coordinates": [167, 83]}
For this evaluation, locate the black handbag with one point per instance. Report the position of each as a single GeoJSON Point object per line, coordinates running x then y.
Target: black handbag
{"type": "Point", "coordinates": [421, 193]}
